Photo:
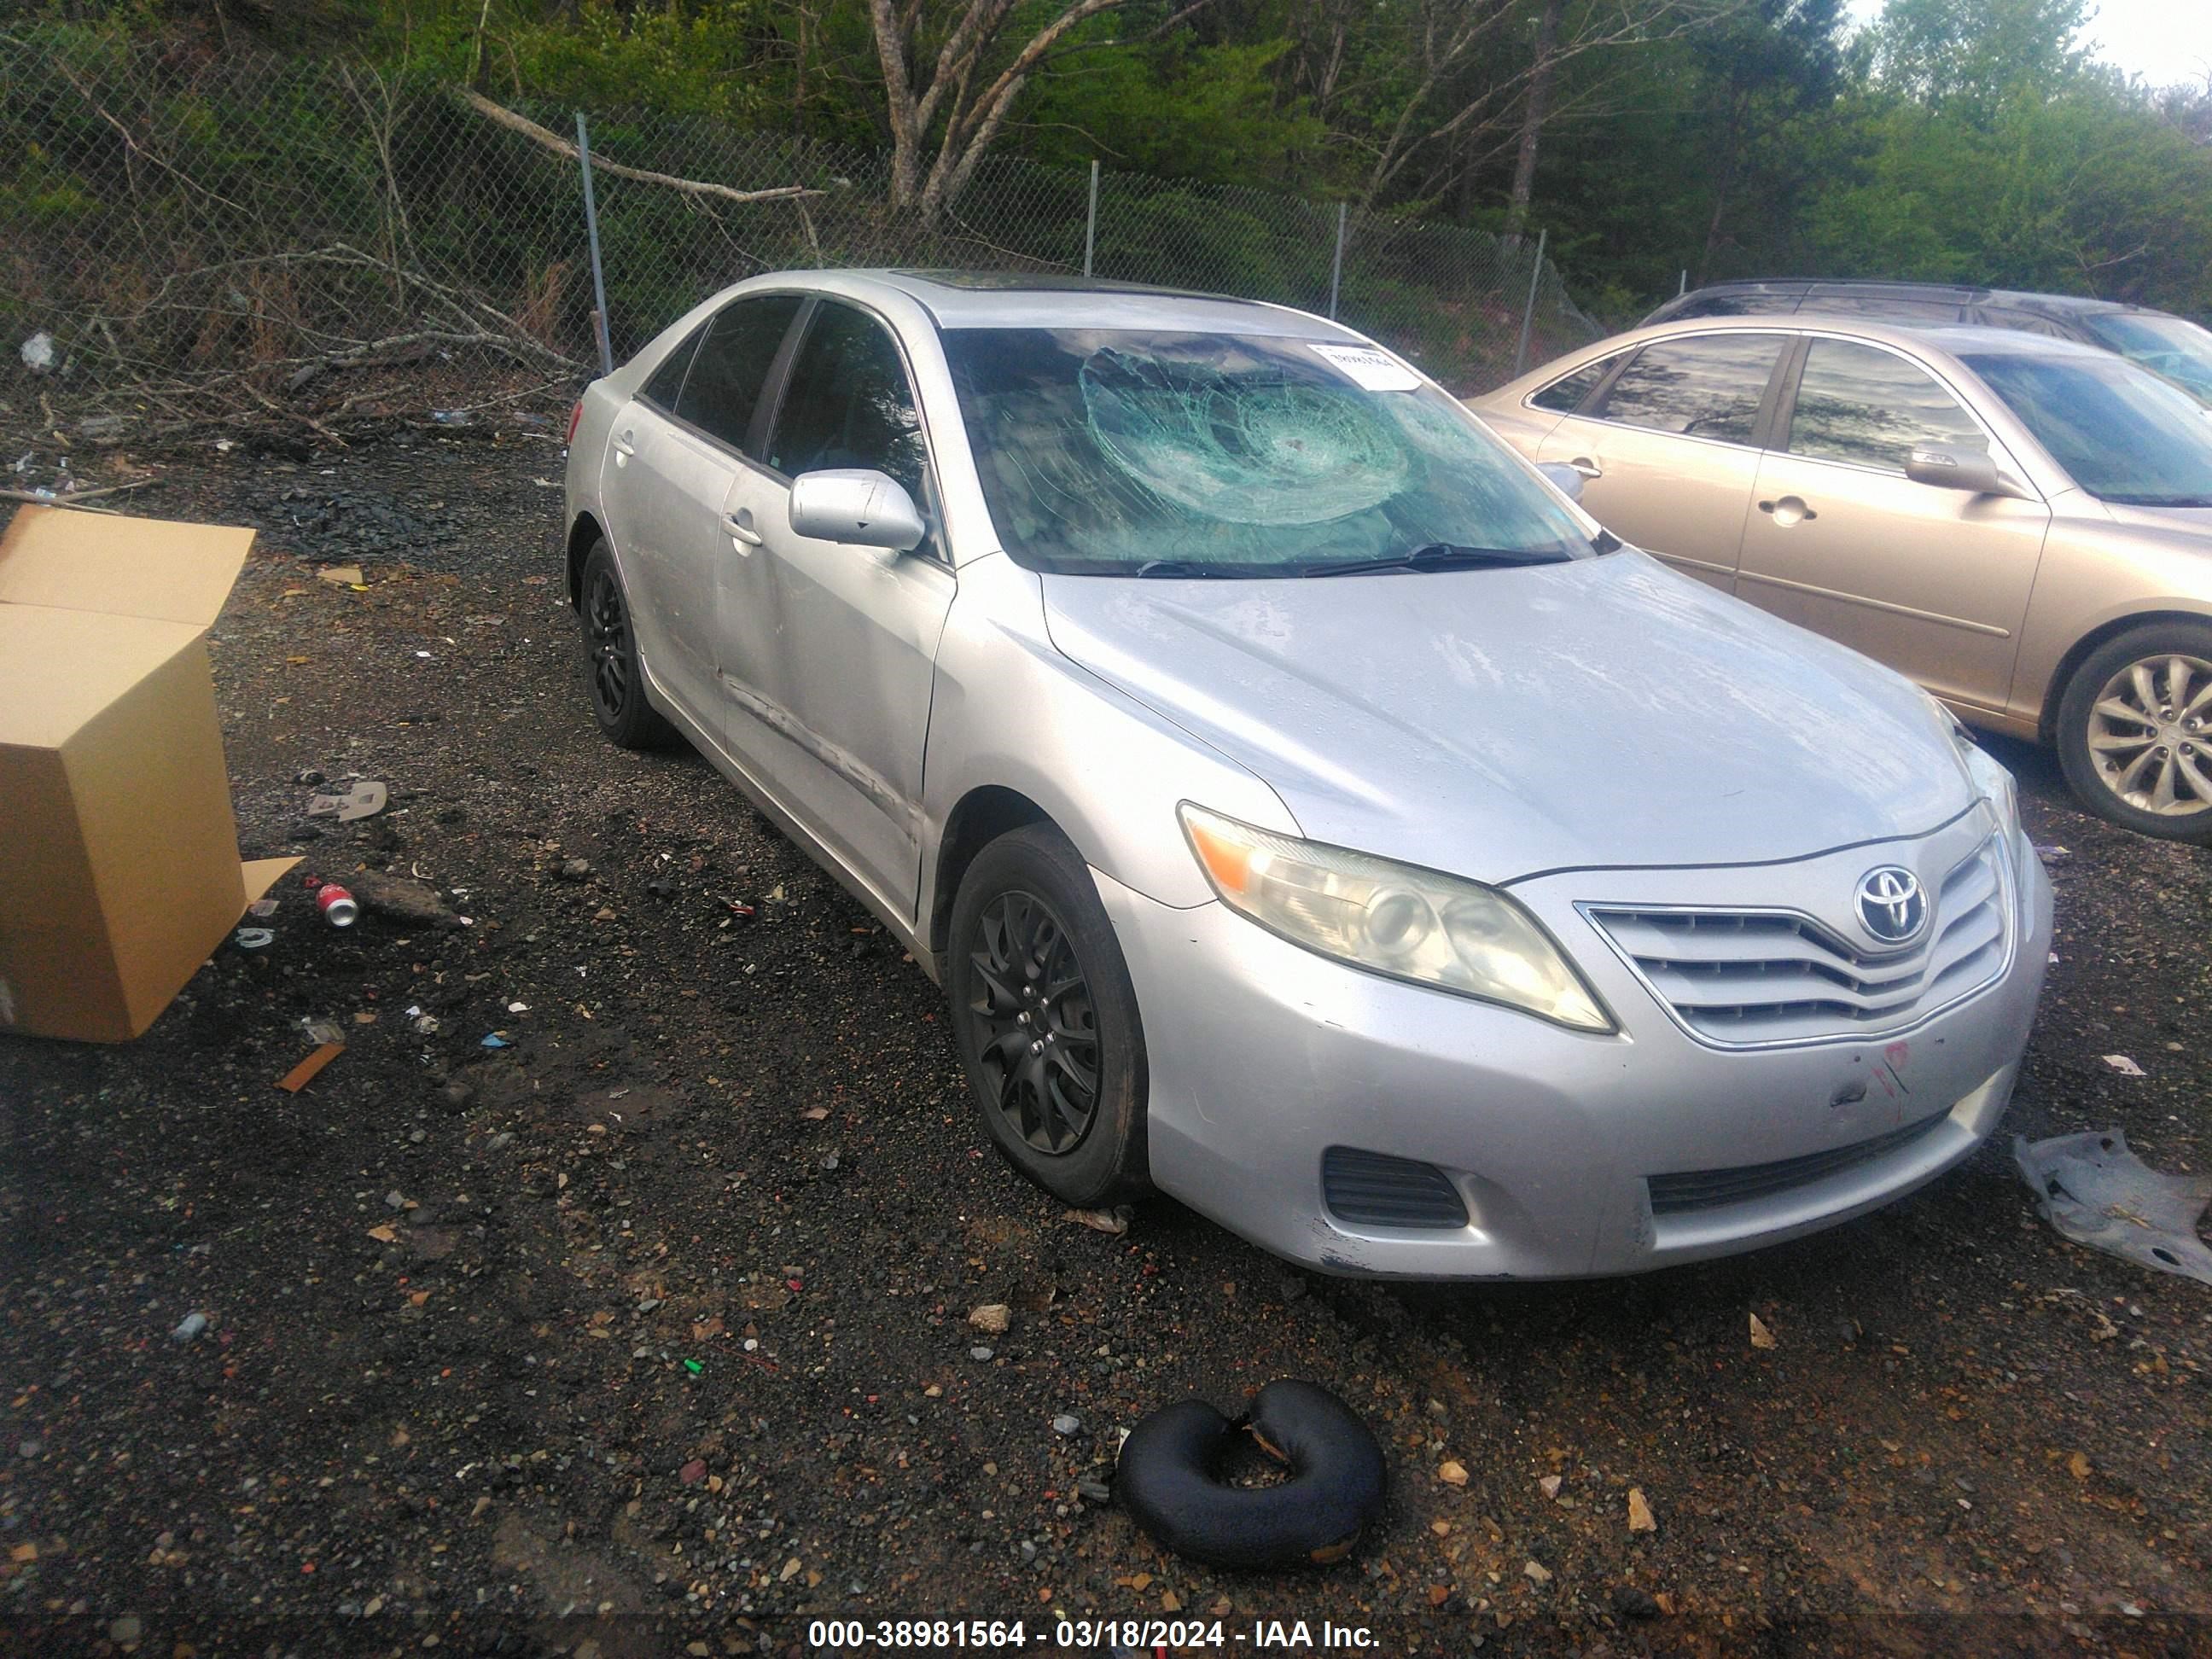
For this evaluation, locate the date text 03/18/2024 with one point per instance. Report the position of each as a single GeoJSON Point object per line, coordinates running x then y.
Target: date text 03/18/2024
{"type": "Point", "coordinates": [856, 1635]}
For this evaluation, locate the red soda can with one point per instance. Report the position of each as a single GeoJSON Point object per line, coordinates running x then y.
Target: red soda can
{"type": "Point", "coordinates": [340, 908]}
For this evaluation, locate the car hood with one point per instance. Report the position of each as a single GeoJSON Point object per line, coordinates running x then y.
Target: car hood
{"type": "Point", "coordinates": [1499, 722]}
{"type": "Point", "coordinates": [2193, 521]}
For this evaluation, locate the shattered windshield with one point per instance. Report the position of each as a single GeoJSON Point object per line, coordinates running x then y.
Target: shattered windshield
{"type": "Point", "coordinates": [1103, 451]}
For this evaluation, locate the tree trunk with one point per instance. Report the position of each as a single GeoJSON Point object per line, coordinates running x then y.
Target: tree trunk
{"type": "Point", "coordinates": [970, 124]}
{"type": "Point", "coordinates": [1731, 143]}
{"type": "Point", "coordinates": [1532, 122]}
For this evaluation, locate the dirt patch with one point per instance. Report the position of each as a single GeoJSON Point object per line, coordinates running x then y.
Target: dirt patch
{"type": "Point", "coordinates": [664, 1303]}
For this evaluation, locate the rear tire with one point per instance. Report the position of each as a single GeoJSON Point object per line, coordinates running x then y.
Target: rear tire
{"type": "Point", "coordinates": [614, 673]}
{"type": "Point", "coordinates": [1046, 1019]}
{"type": "Point", "coordinates": [2134, 731]}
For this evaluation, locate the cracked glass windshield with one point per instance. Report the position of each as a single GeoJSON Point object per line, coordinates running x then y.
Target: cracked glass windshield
{"type": "Point", "coordinates": [1113, 452]}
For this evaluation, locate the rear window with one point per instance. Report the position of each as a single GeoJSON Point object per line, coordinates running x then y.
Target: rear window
{"type": "Point", "coordinates": [1710, 386]}
{"type": "Point", "coordinates": [1749, 304]}
{"type": "Point", "coordinates": [1881, 306]}
{"type": "Point", "coordinates": [1566, 393]}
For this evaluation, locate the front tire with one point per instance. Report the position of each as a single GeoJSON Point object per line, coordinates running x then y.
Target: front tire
{"type": "Point", "coordinates": [614, 672]}
{"type": "Point", "coordinates": [2135, 731]}
{"type": "Point", "coordinates": [1046, 1019]}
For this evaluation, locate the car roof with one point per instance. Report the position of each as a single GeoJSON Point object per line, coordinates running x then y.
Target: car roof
{"type": "Point", "coordinates": [1957, 339]}
{"type": "Point", "coordinates": [1811, 290]}
{"type": "Point", "coordinates": [966, 299]}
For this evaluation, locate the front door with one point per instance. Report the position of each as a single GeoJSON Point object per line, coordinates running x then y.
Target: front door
{"type": "Point", "coordinates": [1668, 453]}
{"type": "Point", "coordinates": [859, 625]}
{"type": "Point", "coordinates": [1935, 582]}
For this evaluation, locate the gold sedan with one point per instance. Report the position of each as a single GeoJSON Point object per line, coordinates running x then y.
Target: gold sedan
{"type": "Point", "coordinates": [2022, 524]}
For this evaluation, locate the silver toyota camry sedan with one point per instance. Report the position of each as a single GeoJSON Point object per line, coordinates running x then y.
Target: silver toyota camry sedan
{"type": "Point", "coordinates": [1310, 811]}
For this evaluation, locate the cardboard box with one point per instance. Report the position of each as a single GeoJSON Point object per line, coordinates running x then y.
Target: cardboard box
{"type": "Point", "coordinates": [119, 853]}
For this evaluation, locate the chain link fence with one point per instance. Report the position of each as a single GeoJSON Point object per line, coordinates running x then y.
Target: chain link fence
{"type": "Point", "coordinates": [184, 236]}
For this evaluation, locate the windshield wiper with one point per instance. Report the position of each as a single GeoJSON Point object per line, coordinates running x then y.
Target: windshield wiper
{"type": "Point", "coordinates": [1169, 568]}
{"type": "Point", "coordinates": [1441, 555]}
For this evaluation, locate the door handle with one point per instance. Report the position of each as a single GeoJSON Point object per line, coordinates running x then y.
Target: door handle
{"type": "Point", "coordinates": [1587, 467]}
{"type": "Point", "coordinates": [741, 527]}
{"type": "Point", "coordinates": [1788, 510]}
{"type": "Point", "coordinates": [625, 446]}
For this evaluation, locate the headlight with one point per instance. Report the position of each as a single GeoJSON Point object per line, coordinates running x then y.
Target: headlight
{"type": "Point", "coordinates": [1995, 785]}
{"type": "Point", "coordinates": [1393, 919]}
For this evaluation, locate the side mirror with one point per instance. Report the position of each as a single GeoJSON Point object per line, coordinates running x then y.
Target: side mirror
{"type": "Point", "coordinates": [1568, 479]}
{"type": "Point", "coordinates": [1969, 470]}
{"type": "Point", "coordinates": [862, 508]}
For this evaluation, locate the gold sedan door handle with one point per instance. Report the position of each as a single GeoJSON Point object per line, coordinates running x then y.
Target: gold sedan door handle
{"type": "Point", "coordinates": [1788, 510]}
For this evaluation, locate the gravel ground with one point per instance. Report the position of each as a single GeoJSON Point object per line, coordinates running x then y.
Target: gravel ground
{"type": "Point", "coordinates": [649, 1332]}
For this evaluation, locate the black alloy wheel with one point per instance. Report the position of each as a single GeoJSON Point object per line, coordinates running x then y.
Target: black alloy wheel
{"type": "Point", "coordinates": [606, 634]}
{"type": "Point", "coordinates": [1036, 1030]}
{"type": "Point", "coordinates": [1046, 1019]}
{"type": "Point", "coordinates": [614, 675]}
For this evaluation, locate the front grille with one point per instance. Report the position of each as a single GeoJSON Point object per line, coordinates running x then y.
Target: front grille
{"type": "Point", "coordinates": [1706, 1189]}
{"type": "Point", "coordinates": [1744, 978]}
{"type": "Point", "coordinates": [1373, 1189]}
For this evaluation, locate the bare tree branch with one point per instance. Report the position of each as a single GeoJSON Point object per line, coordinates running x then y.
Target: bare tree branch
{"type": "Point", "coordinates": [560, 146]}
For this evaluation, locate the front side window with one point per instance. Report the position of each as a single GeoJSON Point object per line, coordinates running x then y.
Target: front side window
{"type": "Point", "coordinates": [848, 404]}
{"type": "Point", "coordinates": [1102, 452]}
{"type": "Point", "coordinates": [1565, 394]}
{"type": "Point", "coordinates": [2123, 433]}
{"type": "Point", "coordinates": [1706, 386]}
{"type": "Point", "coordinates": [724, 386]}
{"type": "Point", "coordinates": [1857, 403]}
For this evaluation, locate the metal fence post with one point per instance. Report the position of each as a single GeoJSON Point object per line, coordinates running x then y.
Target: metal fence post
{"type": "Point", "coordinates": [1529, 314]}
{"type": "Point", "coordinates": [592, 231]}
{"type": "Point", "coordinates": [1336, 269]}
{"type": "Point", "coordinates": [1091, 224]}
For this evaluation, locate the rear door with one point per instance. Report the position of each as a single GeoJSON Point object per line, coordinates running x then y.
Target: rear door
{"type": "Point", "coordinates": [1527, 423]}
{"type": "Point", "coordinates": [859, 625]}
{"type": "Point", "coordinates": [678, 455]}
{"type": "Point", "coordinates": [721, 404]}
{"type": "Point", "coordinates": [1935, 582]}
{"type": "Point", "coordinates": [651, 468]}
{"type": "Point", "coordinates": [1668, 449]}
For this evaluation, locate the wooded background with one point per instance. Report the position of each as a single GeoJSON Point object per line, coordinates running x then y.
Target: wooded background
{"type": "Point", "coordinates": [351, 148]}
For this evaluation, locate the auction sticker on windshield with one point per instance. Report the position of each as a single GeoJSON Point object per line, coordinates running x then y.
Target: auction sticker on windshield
{"type": "Point", "coordinates": [1368, 369]}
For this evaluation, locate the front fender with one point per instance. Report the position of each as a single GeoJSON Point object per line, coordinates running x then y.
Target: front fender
{"type": "Point", "coordinates": [1009, 710]}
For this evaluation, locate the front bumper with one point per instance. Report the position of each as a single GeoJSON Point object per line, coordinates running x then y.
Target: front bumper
{"type": "Point", "coordinates": [1263, 1056]}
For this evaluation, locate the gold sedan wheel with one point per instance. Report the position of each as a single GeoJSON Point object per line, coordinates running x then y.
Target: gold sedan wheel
{"type": "Point", "coordinates": [2150, 735]}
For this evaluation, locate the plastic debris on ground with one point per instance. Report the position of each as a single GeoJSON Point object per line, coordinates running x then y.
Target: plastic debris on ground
{"type": "Point", "coordinates": [304, 1073]}
{"type": "Point", "coordinates": [2096, 1192]}
{"type": "Point", "coordinates": [2123, 1065]}
{"type": "Point", "coordinates": [1114, 1222]}
{"type": "Point", "coordinates": [364, 799]}
{"type": "Point", "coordinates": [496, 1040]}
{"type": "Point", "coordinates": [254, 938]}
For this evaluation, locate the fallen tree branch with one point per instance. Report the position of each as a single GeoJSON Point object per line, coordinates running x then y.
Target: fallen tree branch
{"type": "Point", "coordinates": [560, 146]}
{"type": "Point", "coordinates": [70, 498]}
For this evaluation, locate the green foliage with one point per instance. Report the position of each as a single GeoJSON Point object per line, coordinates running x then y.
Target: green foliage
{"type": "Point", "coordinates": [1179, 109]}
{"type": "Point", "coordinates": [1956, 140]}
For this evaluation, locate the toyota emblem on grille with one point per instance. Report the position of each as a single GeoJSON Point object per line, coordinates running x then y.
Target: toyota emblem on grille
{"type": "Point", "coordinates": [1891, 904]}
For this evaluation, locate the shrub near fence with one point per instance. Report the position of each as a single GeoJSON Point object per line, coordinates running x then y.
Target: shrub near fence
{"type": "Point", "coordinates": [198, 234]}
